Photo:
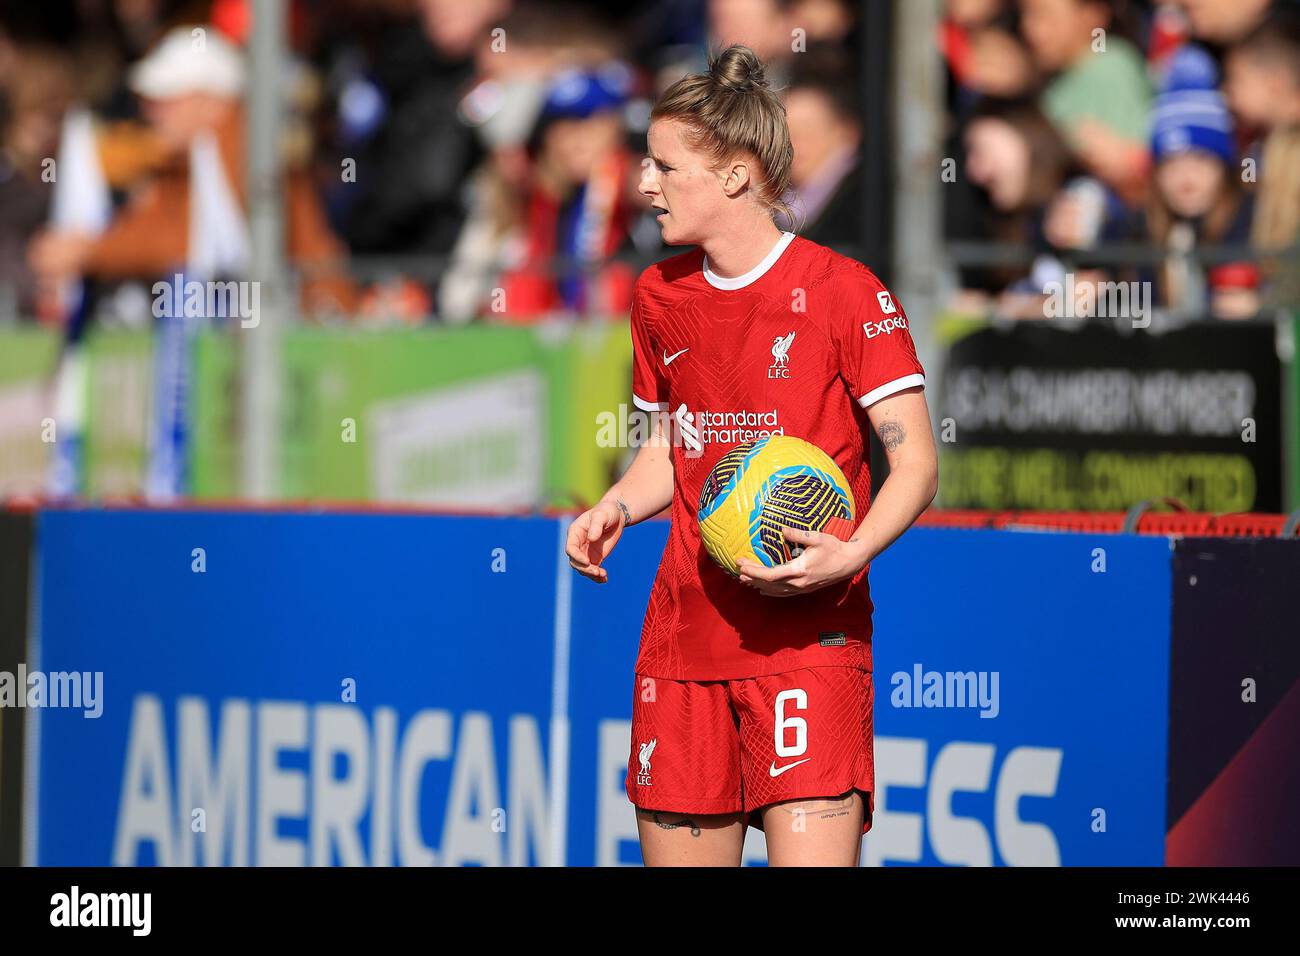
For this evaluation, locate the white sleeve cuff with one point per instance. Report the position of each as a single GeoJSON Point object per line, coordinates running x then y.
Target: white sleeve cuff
{"type": "Point", "coordinates": [889, 388]}
{"type": "Point", "coordinates": [645, 406]}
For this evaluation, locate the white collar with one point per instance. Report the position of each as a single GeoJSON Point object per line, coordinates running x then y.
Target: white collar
{"type": "Point", "coordinates": [739, 282]}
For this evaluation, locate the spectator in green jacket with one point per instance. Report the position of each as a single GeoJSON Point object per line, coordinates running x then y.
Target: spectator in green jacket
{"type": "Point", "coordinates": [1098, 95]}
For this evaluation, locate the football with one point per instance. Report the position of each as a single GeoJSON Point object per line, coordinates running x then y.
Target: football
{"type": "Point", "coordinates": [760, 487]}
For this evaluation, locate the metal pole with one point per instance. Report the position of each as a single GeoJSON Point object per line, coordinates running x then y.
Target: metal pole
{"type": "Point", "coordinates": [875, 63]}
{"type": "Point", "coordinates": [1288, 325]}
{"type": "Point", "coordinates": [874, 56]}
{"type": "Point", "coordinates": [260, 373]}
{"type": "Point", "coordinates": [918, 124]}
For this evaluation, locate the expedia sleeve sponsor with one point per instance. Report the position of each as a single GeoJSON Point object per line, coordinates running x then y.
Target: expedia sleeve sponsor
{"type": "Point", "coordinates": [877, 355]}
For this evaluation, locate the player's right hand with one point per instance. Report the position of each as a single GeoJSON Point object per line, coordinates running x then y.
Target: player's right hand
{"type": "Point", "coordinates": [592, 536]}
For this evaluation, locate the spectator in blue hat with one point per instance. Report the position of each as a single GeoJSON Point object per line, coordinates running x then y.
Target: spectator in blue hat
{"type": "Point", "coordinates": [581, 202]}
{"type": "Point", "coordinates": [1196, 197]}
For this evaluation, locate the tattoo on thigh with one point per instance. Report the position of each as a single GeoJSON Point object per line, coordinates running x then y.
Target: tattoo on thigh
{"type": "Point", "coordinates": [822, 809]}
{"type": "Point", "coordinates": [663, 824]}
{"type": "Point", "coordinates": [892, 434]}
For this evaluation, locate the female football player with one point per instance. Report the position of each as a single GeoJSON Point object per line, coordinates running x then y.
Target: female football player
{"type": "Point", "coordinates": [753, 696]}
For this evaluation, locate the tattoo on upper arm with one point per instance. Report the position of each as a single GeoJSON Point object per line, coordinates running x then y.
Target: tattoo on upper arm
{"type": "Point", "coordinates": [892, 434]}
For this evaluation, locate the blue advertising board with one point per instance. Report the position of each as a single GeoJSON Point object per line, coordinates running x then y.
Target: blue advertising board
{"type": "Point", "coordinates": [1063, 760]}
{"type": "Point", "coordinates": [319, 689]}
{"type": "Point", "coordinates": [307, 689]}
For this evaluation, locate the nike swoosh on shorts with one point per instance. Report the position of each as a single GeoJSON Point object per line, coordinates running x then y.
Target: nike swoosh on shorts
{"type": "Point", "coordinates": [775, 772]}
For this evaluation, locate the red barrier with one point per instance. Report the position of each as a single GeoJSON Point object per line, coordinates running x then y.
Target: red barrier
{"type": "Point", "coordinates": [1184, 523]}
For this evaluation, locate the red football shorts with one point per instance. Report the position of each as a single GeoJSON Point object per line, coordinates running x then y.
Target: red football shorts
{"type": "Point", "coordinates": [734, 746]}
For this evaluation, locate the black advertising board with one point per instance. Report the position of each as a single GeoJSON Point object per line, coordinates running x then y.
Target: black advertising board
{"type": "Point", "coordinates": [1038, 417]}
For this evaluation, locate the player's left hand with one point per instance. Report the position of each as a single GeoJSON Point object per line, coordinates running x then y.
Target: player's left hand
{"type": "Point", "coordinates": [825, 559]}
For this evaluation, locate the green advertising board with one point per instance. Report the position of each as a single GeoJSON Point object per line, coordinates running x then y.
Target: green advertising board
{"type": "Point", "coordinates": [484, 416]}
{"type": "Point", "coordinates": [27, 360]}
{"type": "Point", "coordinates": [106, 388]}
{"type": "Point", "coordinates": [118, 410]}
{"type": "Point", "coordinates": [477, 417]}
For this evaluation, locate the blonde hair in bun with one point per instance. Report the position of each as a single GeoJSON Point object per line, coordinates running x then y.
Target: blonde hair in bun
{"type": "Point", "coordinates": [731, 110]}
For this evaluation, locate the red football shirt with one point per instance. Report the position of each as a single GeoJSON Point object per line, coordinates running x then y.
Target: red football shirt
{"type": "Point", "coordinates": [801, 345]}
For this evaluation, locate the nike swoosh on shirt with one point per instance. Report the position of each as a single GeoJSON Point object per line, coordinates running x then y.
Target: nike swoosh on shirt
{"type": "Point", "coordinates": [668, 359]}
{"type": "Point", "coordinates": [776, 772]}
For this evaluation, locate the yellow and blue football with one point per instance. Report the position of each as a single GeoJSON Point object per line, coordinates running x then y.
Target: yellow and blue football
{"type": "Point", "coordinates": [760, 487]}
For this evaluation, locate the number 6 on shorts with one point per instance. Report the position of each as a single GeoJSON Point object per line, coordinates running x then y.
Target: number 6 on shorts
{"type": "Point", "coordinates": [800, 726]}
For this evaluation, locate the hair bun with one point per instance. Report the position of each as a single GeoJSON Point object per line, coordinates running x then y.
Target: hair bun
{"type": "Point", "coordinates": [737, 68]}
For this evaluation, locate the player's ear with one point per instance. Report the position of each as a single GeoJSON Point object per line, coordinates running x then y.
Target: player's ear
{"type": "Point", "coordinates": [736, 178]}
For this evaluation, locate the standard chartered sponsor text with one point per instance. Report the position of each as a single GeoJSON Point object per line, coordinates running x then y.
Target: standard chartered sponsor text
{"type": "Point", "coordinates": [739, 426]}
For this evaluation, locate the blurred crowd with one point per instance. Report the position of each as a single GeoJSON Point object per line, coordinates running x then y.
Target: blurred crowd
{"type": "Point", "coordinates": [448, 161]}
{"type": "Point", "coordinates": [1171, 127]}
{"type": "Point", "coordinates": [452, 161]}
